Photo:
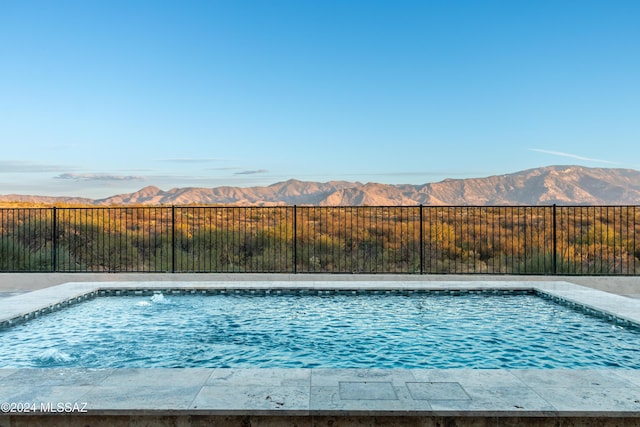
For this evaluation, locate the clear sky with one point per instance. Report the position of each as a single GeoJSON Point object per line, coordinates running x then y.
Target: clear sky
{"type": "Point", "coordinates": [105, 97]}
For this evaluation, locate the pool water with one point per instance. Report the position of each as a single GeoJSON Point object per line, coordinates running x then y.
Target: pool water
{"type": "Point", "coordinates": [510, 331]}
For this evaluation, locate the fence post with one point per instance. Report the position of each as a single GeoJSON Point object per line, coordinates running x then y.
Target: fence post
{"type": "Point", "coordinates": [173, 239]}
{"type": "Point", "coordinates": [421, 243]}
{"type": "Point", "coordinates": [295, 239]}
{"type": "Point", "coordinates": [54, 238]}
{"type": "Point", "coordinates": [555, 242]}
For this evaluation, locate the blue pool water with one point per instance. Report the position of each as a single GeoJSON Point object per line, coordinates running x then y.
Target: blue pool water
{"type": "Point", "coordinates": [358, 331]}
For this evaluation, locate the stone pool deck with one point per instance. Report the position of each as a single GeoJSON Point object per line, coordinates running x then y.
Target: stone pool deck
{"type": "Point", "coordinates": [308, 394]}
{"type": "Point", "coordinates": [320, 397]}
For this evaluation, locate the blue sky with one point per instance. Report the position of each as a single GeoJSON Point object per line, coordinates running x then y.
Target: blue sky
{"type": "Point", "coordinates": [106, 97]}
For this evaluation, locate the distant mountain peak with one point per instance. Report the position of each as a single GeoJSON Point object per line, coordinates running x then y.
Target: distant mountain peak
{"type": "Point", "coordinates": [150, 189]}
{"type": "Point", "coordinates": [566, 184]}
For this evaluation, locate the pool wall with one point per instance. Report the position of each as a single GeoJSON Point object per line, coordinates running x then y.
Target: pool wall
{"type": "Point", "coordinates": [21, 282]}
{"type": "Point", "coordinates": [319, 397]}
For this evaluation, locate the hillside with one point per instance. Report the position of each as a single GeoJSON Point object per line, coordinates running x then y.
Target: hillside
{"type": "Point", "coordinates": [541, 186]}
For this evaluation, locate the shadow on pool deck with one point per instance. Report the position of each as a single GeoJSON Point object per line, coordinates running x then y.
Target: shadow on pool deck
{"type": "Point", "coordinates": [10, 294]}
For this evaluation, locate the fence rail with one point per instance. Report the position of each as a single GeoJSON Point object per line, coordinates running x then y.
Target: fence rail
{"type": "Point", "coordinates": [574, 240]}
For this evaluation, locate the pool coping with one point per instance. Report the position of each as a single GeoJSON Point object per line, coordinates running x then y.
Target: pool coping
{"type": "Point", "coordinates": [320, 391]}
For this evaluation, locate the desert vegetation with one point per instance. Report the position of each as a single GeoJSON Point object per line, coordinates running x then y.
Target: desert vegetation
{"type": "Point", "coordinates": [305, 239]}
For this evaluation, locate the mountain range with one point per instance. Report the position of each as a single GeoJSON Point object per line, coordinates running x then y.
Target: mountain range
{"type": "Point", "coordinates": [564, 185]}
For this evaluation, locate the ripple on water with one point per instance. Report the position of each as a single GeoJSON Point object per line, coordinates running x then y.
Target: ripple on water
{"type": "Point", "coordinates": [385, 331]}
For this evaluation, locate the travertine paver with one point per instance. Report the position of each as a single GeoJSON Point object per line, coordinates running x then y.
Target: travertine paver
{"type": "Point", "coordinates": [437, 391]}
{"type": "Point", "coordinates": [329, 400]}
{"type": "Point", "coordinates": [141, 398]}
{"type": "Point", "coordinates": [492, 400]}
{"type": "Point", "coordinates": [230, 399]}
{"type": "Point", "coordinates": [606, 400]}
{"type": "Point", "coordinates": [583, 378]}
{"type": "Point", "coordinates": [6, 373]}
{"type": "Point", "coordinates": [489, 391]}
{"type": "Point", "coordinates": [33, 393]}
{"type": "Point", "coordinates": [157, 377]}
{"type": "Point", "coordinates": [381, 391]}
{"type": "Point", "coordinates": [583, 391]}
{"type": "Point", "coordinates": [260, 377]}
{"type": "Point", "coordinates": [366, 390]}
{"type": "Point", "coordinates": [332, 377]}
{"type": "Point", "coordinates": [148, 389]}
{"type": "Point", "coordinates": [54, 376]}
{"type": "Point", "coordinates": [631, 375]}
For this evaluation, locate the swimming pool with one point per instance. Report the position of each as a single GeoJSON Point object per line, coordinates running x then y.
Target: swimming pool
{"type": "Point", "coordinates": [271, 327]}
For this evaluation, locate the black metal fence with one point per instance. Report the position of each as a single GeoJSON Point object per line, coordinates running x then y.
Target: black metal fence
{"type": "Point", "coordinates": [580, 240]}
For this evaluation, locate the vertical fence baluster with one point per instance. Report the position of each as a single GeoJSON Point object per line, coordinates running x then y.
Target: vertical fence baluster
{"type": "Point", "coordinates": [173, 239]}
{"type": "Point", "coordinates": [295, 239]}
{"type": "Point", "coordinates": [54, 239]}
{"type": "Point", "coordinates": [554, 231]}
{"type": "Point", "coordinates": [421, 239]}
